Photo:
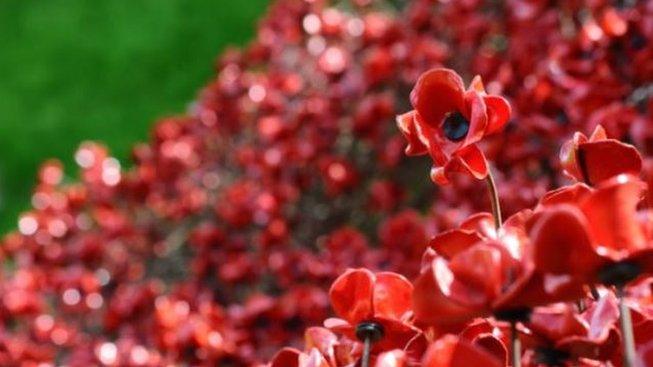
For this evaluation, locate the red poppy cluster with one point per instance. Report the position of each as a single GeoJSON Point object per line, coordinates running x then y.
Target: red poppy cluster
{"type": "Point", "coordinates": [288, 176]}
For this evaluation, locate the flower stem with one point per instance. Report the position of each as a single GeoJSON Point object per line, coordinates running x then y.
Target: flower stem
{"type": "Point", "coordinates": [494, 200]}
{"type": "Point", "coordinates": [626, 323]}
{"type": "Point", "coordinates": [516, 345]}
{"type": "Point", "coordinates": [365, 361]}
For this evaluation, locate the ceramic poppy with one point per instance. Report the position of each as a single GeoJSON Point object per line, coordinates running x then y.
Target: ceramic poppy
{"type": "Point", "coordinates": [477, 271]}
{"type": "Point", "coordinates": [360, 297]}
{"type": "Point", "coordinates": [599, 239]}
{"type": "Point", "coordinates": [561, 334]}
{"type": "Point", "coordinates": [448, 121]}
{"type": "Point", "coordinates": [597, 158]}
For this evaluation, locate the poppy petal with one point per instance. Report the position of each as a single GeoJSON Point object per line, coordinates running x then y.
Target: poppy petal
{"type": "Point", "coordinates": [561, 243]}
{"type": "Point", "coordinates": [473, 161]}
{"type": "Point", "coordinates": [611, 214]}
{"type": "Point", "coordinates": [406, 124]}
{"type": "Point", "coordinates": [448, 244]}
{"type": "Point", "coordinates": [478, 118]}
{"type": "Point", "coordinates": [437, 92]}
{"type": "Point", "coordinates": [477, 85]}
{"type": "Point", "coordinates": [480, 269]}
{"type": "Point", "coordinates": [565, 195]}
{"type": "Point", "coordinates": [599, 133]}
{"type": "Point", "coordinates": [392, 296]}
{"type": "Point", "coordinates": [351, 295]}
{"type": "Point", "coordinates": [498, 113]}
{"type": "Point", "coordinates": [601, 160]}
{"type": "Point", "coordinates": [432, 303]}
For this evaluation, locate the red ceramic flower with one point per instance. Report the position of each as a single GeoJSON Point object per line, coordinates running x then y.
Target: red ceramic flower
{"type": "Point", "coordinates": [597, 240]}
{"type": "Point", "coordinates": [597, 158]}
{"type": "Point", "coordinates": [469, 274]}
{"type": "Point", "coordinates": [360, 297]}
{"type": "Point", "coordinates": [559, 333]}
{"type": "Point", "coordinates": [448, 121]}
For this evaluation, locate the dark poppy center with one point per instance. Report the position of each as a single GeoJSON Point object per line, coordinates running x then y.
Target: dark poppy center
{"type": "Point", "coordinates": [551, 357]}
{"type": "Point", "coordinates": [619, 274]}
{"type": "Point", "coordinates": [521, 314]}
{"type": "Point", "coordinates": [455, 126]}
{"type": "Point", "coordinates": [369, 330]}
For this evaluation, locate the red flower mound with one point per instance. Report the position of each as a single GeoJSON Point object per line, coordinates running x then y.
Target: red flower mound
{"type": "Point", "coordinates": [279, 221]}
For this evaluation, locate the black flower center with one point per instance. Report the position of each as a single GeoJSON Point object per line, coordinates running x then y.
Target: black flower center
{"type": "Point", "coordinates": [551, 357]}
{"type": "Point", "coordinates": [369, 330]}
{"type": "Point", "coordinates": [455, 126]}
{"type": "Point", "coordinates": [521, 314]}
{"type": "Point", "coordinates": [619, 274]}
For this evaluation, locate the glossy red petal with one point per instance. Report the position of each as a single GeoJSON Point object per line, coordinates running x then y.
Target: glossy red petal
{"type": "Point", "coordinates": [469, 160]}
{"type": "Point", "coordinates": [498, 113]}
{"type": "Point", "coordinates": [601, 160]}
{"type": "Point", "coordinates": [398, 335]}
{"type": "Point", "coordinates": [561, 243]}
{"type": "Point", "coordinates": [611, 216]}
{"type": "Point", "coordinates": [351, 295]}
{"type": "Point", "coordinates": [478, 118]}
{"type": "Point", "coordinates": [432, 302]}
{"type": "Point", "coordinates": [436, 93]}
{"type": "Point", "coordinates": [480, 270]}
{"type": "Point", "coordinates": [450, 243]}
{"type": "Point", "coordinates": [406, 124]}
{"type": "Point", "coordinates": [566, 195]}
{"type": "Point", "coordinates": [392, 296]}
{"type": "Point", "coordinates": [556, 322]}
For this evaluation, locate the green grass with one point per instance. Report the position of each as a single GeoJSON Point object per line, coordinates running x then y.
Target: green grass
{"type": "Point", "coordinates": [74, 70]}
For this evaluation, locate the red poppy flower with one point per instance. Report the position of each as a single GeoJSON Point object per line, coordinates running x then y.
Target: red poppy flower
{"type": "Point", "coordinates": [468, 274]}
{"type": "Point", "coordinates": [451, 351]}
{"type": "Point", "coordinates": [595, 238]}
{"type": "Point", "coordinates": [359, 297]}
{"type": "Point", "coordinates": [597, 158]}
{"type": "Point", "coordinates": [448, 121]}
{"type": "Point", "coordinates": [558, 333]}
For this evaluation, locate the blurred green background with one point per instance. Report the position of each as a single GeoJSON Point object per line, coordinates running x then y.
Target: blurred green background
{"type": "Point", "coordinates": [74, 70]}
